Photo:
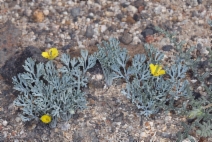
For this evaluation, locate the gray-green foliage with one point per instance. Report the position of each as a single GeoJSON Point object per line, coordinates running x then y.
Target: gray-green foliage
{"type": "Point", "coordinates": [46, 90]}
{"type": "Point", "coordinates": [201, 111]}
{"type": "Point", "coordinates": [107, 55]}
{"type": "Point", "coordinates": [147, 92]}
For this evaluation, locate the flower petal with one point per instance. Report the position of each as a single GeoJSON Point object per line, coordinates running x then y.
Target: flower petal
{"type": "Point", "coordinates": [161, 72]}
{"type": "Point", "coordinates": [46, 118]}
{"type": "Point", "coordinates": [45, 54]}
{"type": "Point", "coordinates": [53, 52]}
{"type": "Point", "coordinates": [152, 68]}
{"type": "Point", "coordinates": [156, 70]}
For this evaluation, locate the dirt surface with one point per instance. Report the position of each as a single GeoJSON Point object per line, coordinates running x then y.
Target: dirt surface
{"type": "Point", "coordinates": [28, 27]}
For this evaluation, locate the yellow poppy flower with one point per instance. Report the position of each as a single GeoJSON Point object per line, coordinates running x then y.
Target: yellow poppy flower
{"type": "Point", "coordinates": [50, 54]}
{"type": "Point", "coordinates": [46, 118]}
{"type": "Point", "coordinates": [156, 70]}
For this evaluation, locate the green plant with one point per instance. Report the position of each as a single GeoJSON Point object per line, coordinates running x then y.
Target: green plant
{"type": "Point", "coordinates": [107, 55]}
{"type": "Point", "coordinates": [46, 90]}
{"type": "Point", "coordinates": [148, 92]}
{"type": "Point", "coordinates": [201, 111]}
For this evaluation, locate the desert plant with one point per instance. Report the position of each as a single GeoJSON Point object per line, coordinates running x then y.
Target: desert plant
{"type": "Point", "coordinates": [46, 91]}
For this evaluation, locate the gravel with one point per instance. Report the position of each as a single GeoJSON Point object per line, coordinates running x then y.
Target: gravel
{"type": "Point", "coordinates": [70, 25]}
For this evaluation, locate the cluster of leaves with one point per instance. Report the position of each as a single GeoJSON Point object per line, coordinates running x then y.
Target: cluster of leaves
{"type": "Point", "coordinates": [46, 90]}
{"type": "Point", "coordinates": [147, 92]}
{"type": "Point", "coordinates": [200, 112]}
{"type": "Point", "coordinates": [150, 93]}
{"type": "Point", "coordinates": [107, 56]}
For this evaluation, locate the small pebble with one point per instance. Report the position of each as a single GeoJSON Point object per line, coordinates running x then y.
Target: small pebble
{"type": "Point", "coordinates": [109, 14]}
{"type": "Point", "coordinates": [138, 3]}
{"type": "Point", "coordinates": [132, 9]}
{"type": "Point", "coordinates": [28, 12]}
{"type": "Point", "coordinates": [147, 32]}
{"type": "Point", "coordinates": [167, 47]}
{"type": "Point", "coordinates": [46, 12]}
{"type": "Point", "coordinates": [143, 134]}
{"type": "Point", "coordinates": [168, 118]}
{"type": "Point", "coordinates": [38, 16]}
{"type": "Point", "coordinates": [59, 3]}
{"type": "Point", "coordinates": [89, 32]}
{"type": "Point", "coordinates": [103, 28]}
{"type": "Point", "coordinates": [126, 38]}
{"type": "Point", "coordinates": [5, 123]}
{"type": "Point", "coordinates": [75, 12]}
{"type": "Point", "coordinates": [130, 20]}
{"type": "Point", "coordinates": [18, 119]}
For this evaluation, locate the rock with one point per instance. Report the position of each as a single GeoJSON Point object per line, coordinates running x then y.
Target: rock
{"type": "Point", "coordinates": [103, 28]}
{"type": "Point", "coordinates": [109, 14]}
{"type": "Point", "coordinates": [90, 16]}
{"type": "Point", "coordinates": [120, 16]}
{"type": "Point", "coordinates": [201, 22]}
{"type": "Point", "coordinates": [38, 16]}
{"type": "Point", "coordinates": [199, 46]}
{"type": "Point", "coordinates": [144, 15]}
{"type": "Point", "coordinates": [46, 12]}
{"type": "Point", "coordinates": [158, 10]}
{"type": "Point", "coordinates": [138, 3]}
{"type": "Point", "coordinates": [140, 8]}
{"type": "Point", "coordinates": [130, 20]}
{"type": "Point", "coordinates": [124, 5]}
{"type": "Point", "coordinates": [136, 40]}
{"type": "Point", "coordinates": [194, 13]}
{"type": "Point", "coordinates": [99, 77]}
{"type": "Point", "coordinates": [126, 38]}
{"type": "Point", "coordinates": [166, 135]}
{"type": "Point", "coordinates": [180, 18]}
{"type": "Point", "coordinates": [147, 32]}
{"type": "Point", "coordinates": [13, 66]}
{"type": "Point", "coordinates": [18, 119]}
{"type": "Point", "coordinates": [59, 3]}
{"type": "Point", "coordinates": [196, 95]}
{"type": "Point", "coordinates": [136, 17]}
{"type": "Point", "coordinates": [111, 28]}
{"type": "Point", "coordinates": [4, 123]}
{"type": "Point", "coordinates": [199, 1]}
{"type": "Point", "coordinates": [89, 32]}
{"type": "Point", "coordinates": [192, 3]}
{"type": "Point", "coordinates": [143, 134]}
{"type": "Point", "coordinates": [75, 12]}
{"type": "Point", "coordinates": [28, 12]}
{"type": "Point", "coordinates": [168, 118]}
{"type": "Point", "coordinates": [167, 47]}
{"type": "Point", "coordinates": [132, 9]}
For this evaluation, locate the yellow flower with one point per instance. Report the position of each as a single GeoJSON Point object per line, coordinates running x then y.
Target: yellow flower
{"type": "Point", "coordinates": [46, 118]}
{"type": "Point", "coordinates": [50, 54]}
{"type": "Point", "coordinates": [156, 70]}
